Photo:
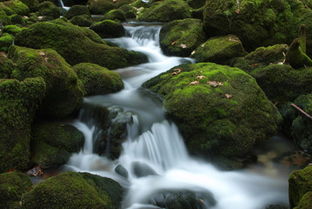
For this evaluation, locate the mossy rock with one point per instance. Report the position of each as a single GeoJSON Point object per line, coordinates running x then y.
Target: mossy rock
{"type": "Point", "coordinates": [32, 4]}
{"type": "Point", "coordinates": [115, 14]}
{"type": "Point", "coordinates": [165, 11]}
{"type": "Point", "coordinates": [82, 20]}
{"type": "Point", "coordinates": [296, 55]}
{"type": "Point", "coordinates": [18, 20]}
{"type": "Point", "coordinates": [97, 79]}
{"type": "Point", "coordinates": [220, 110]}
{"type": "Point", "coordinates": [12, 29]}
{"type": "Point", "coordinates": [261, 57]}
{"type": "Point", "coordinates": [305, 202]}
{"type": "Point", "coordinates": [282, 83]}
{"type": "Point", "coordinates": [219, 50]}
{"type": "Point", "coordinates": [4, 18]}
{"type": "Point", "coordinates": [6, 40]}
{"type": "Point", "coordinates": [77, 44]}
{"type": "Point", "coordinates": [14, 7]}
{"type": "Point", "coordinates": [12, 186]}
{"type": "Point", "coordinates": [255, 22]}
{"type": "Point", "coordinates": [6, 67]}
{"type": "Point", "coordinates": [196, 3]}
{"type": "Point", "coordinates": [73, 191]}
{"type": "Point", "coordinates": [103, 6]}
{"type": "Point", "coordinates": [300, 183]}
{"type": "Point", "coordinates": [49, 10]}
{"type": "Point", "coordinates": [19, 101]}
{"type": "Point", "coordinates": [108, 29]}
{"type": "Point", "coordinates": [129, 11]}
{"type": "Point", "coordinates": [77, 10]}
{"type": "Point", "coordinates": [64, 90]}
{"type": "Point", "coordinates": [71, 3]}
{"type": "Point", "coordinates": [181, 37]}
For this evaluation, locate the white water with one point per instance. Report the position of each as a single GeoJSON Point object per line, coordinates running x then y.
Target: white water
{"type": "Point", "coordinates": [157, 142]}
{"type": "Point", "coordinates": [63, 6]}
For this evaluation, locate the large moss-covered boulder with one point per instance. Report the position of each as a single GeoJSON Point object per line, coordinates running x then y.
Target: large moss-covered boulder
{"type": "Point", "coordinates": [12, 29]}
{"type": "Point", "coordinates": [300, 183]}
{"type": "Point", "coordinates": [64, 93]}
{"type": "Point", "coordinates": [82, 20]}
{"type": "Point", "coordinates": [103, 6]}
{"type": "Point", "coordinates": [261, 57]}
{"type": "Point", "coordinates": [108, 29]}
{"type": "Point", "coordinates": [305, 201]}
{"type": "Point", "coordinates": [165, 11]}
{"type": "Point", "coordinates": [77, 10]}
{"type": "Point", "coordinates": [282, 83]}
{"type": "Point", "coordinates": [219, 109]}
{"type": "Point", "coordinates": [74, 191]}
{"type": "Point", "coordinates": [19, 101]}
{"type": "Point", "coordinates": [77, 44]}
{"type": "Point", "coordinates": [6, 40]}
{"type": "Point", "coordinates": [6, 67]}
{"type": "Point", "coordinates": [53, 142]}
{"type": "Point", "coordinates": [219, 50]}
{"type": "Point", "coordinates": [97, 79]}
{"type": "Point", "coordinates": [181, 37]}
{"type": "Point", "coordinates": [255, 22]}
{"type": "Point", "coordinates": [12, 186]}
{"type": "Point", "coordinates": [14, 7]}
{"type": "Point", "coordinates": [115, 14]}
{"type": "Point", "coordinates": [49, 10]}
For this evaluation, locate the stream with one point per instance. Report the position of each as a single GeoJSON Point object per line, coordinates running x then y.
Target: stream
{"type": "Point", "coordinates": [154, 141]}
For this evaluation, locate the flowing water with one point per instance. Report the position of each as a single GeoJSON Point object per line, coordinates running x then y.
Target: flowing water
{"type": "Point", "coordinates": [156, 142]}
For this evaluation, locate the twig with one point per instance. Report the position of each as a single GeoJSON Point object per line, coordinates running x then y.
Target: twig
{"type": "Point", "coordinates": [301, 110]}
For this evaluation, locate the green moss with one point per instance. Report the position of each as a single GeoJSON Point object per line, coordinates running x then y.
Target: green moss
{"type": "Point", "coordinates": [305, 202]}
{"type": "Point", "coordinates": [115, 14]}
{"type": "Point", "coordinates": [4, 18]}
{"type": "Point", "coordinates": [228, 119]}
{"type": "Point", "coordinates": [98, 80]}
{"type": "Point", "coordinates": [64, 93]}
{"type": "Point", "coordinates": [32, 4]}
{"type": "Point", "coordinates": [6, 40]}
{"type": "Point", "coordinates": [77, 45]}
{"type": "Point", "coordinates": [82, 20]}
{"type": "Point", "coordinates": [17, 20]}
{"type": "Point", "coordinates": [71, 191]}
{"type": "Point", "coordinates": [76, 11]}
{"type": "Point", "coordinates": [6, 67]}
{"type": "Point", "coordinates": [12, 186]}
{"type": "Point", "coordinates": [165, 11]}
{"type": "Point", "coordinates": [129, 11]}
{"type": "Point", "coordinates": [296, 57]}
{"type": "Point", "coordinates": [100, 6]}
{"type": "Point", "coordinates": [282, 83]}
{"type": "Point", "coordinates": [49, 10]}
{"type": "Point", "coordinates": [19, 101]}
{"type": "Point", "coordinates": [108, 29]}
{"type": "Point", "coordinates": [300, 182]}
{"type": "Point", "coordinates": [219, 49]}
{"type": "Point", "coordinates": [14, 7]}
{"type": "Point", "coordinates": [12, 29]}
{"type": "Point", "coordinates": [181, 37]}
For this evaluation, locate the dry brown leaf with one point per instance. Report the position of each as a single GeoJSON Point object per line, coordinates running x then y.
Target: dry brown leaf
{"type": "Point", "coordinates": [228, 96]}
{"type": "Point", "coordinates": [200, 77]}
{"type": "Point", "coordinates": [214, 83]}
{"type": "Point", "coordinates": [183, 46]}
{"type": "Point", "coordinates": [42, 53]}
{"type": "Point", "coordinates": [176, 71]}
{"type": "Point", "coordinates": [194, 83]}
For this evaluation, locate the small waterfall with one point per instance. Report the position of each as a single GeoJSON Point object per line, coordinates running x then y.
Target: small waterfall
{"type": "Point", "coordinates": [63, 6]}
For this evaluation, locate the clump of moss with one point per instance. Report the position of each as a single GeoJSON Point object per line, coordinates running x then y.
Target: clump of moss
{"type": "Point", "coordinates": [49, 10]}
{"type": "Point", "coordinates": [12, 29]}
{"type": "Point", "coordinates": [219, 50]}
{"type": "Point", "coordinates": [129, 11]}
{"type": "Point", "coordinates": [77, 44]}
{"type": "Point", "coordinates": [165, 11]}
{"type": "Point", "coordinates": [6, 40]}
{"type": "Point", "coordinates": [76, 11]}
{"type": "Point", "coordinates": [12, 186]}
{"type": "Point", "coordinates": [108, 29]}
{"type": "Point", "coordinates": [19, 100]}
{"type": "Point", "coordinates": [64, 93]}
{"type": "Point", "coordinates": [115, 14]}
{"type": "Point", "coordinates": [82, 20]}
{"type": "Point", "coordinates": [73, 191]}
{"type": "Point", "coordinates": [14, 7]}
{"type": "Point", "coordinates": [220, 110]}
{"type": "Point", "coordinates": [97, 79]}
{"type": "Point", "coordinates": [6, 67]}
{"type": "Point", "coordinates": [181, 37]}
{"type": "Point", "coordinates": [305, 201]}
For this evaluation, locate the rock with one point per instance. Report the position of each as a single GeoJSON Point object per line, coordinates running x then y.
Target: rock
{"type": "Point", "coordinates": [71, 3]}
{"type": "Point", "coordinates": [98, 114]}
{"type": "Point", "coordinates": [103, 6]}
{"type": "Point", "coordinates": [97, 79]}
{"type": "Point", "coordinates": [82, 20]}
{"type": "Point", "coordinates": [4, 18]}
{"type": "Point", "coordinates": [108, 29]}
{"type": "Point", "coordinates": [6, 40]}
{"type": "Point", "coordinates": [196, 3]}
{"type": "Point", "coordinates": [181, 37]}
{"type": "Point", "coordinates": [219, 50]}
{"type": "Point", "coordinates": [12, 186]}
{"type": "Point", "coordinates": [183, 199]}
{"type": "Point", "coordinates": [121, 171]}
{"type": "Point", "coordinates": [296, 56]}
{"type": "Point", "coordinates": [49, 10]}
{"type": "Point", "coordinates": [300, 183]}
{"type": "Point", "coordinates": [140, 169]}
{"type": "Point", "coordinates": [12, 29]}
{"type": "Point", "coordinates": [31, 4]}
{"type": "Point", "coordinates": [14, 7]}
{"type": "Point", "coordinates": [282, 83]}
{"type": "Point", "coordinates": [77, 44]}
{"type": "Point", "coordinates": [74, 191]}
{"type": "Point", "coordinates": [220, 110]}
{"type": "Point", "coordinates": [165, 11]}
{"type": "Point", "coordinates": [18, 20]}
{"type": "Point", "coordinates": [128, 10]}
{"type": "Point", "coordinates": [115, 14]}
{"type": "Point", "coordinates": [262, 57]}
{"type": "Point", "coordinates": [77, 10]}
{"type": "Point", "coordinates": [53, 142]}
{"type": "Point", "coordinates": [305, 201]}
{"type": "Point", "coordinates": [6, 67]}
{"type": "Point", "coordinates": [19, 100]}
{"type": "Point", "coordinates": [64, 91]}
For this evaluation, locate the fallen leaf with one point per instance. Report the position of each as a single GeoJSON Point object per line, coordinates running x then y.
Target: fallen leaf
{"type": "Point", "coordinates": [228, 96]}
{"type": "Point", "coordinates": [176, 71]}
{"type": "Point", "coordinates": [200, 77]}
{"type": "Point", "coordinates": [42, 53]}
{"type": "Point", "coordinates": [215, 83]}
{"type": "Point", "coordinates": [183, 46]}
{"type": "Point", "coordinates": [173, 43]}
{"type": "Point", "coordinates": [194, 83]}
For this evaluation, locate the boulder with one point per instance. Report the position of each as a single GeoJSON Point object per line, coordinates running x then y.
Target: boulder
{"type": "Point", "coordinates": [282, 83]}
{"type": "Point", "coordinates": [165, 11]}
{"type": "Point", "coordinates": [129, 11]}
{"type": "Point", "coordinates": [140, 169]}
{"type": "Point", "coordinates": [74, 191]}
{"type": "Point", "coordinates": [76, 11]}
{"type": "Point", "coordinates": [49, 10]}
{"type": "Point", "coordinates": [6, 40]}
{"type": "Point", "coordinates": [108, 29]}
{"type": "Point", "coordinates": [97, 79]}
{"type": "Point", "coordinates": [220, 110]}
{"type": "Point", "coordinates": [64, 90]}
{"type": "Point", "coordinates": [115, 14]}
{"type": "Point", "coordinates": [219, 50]}
{"type": "Point", "coordinates": [14, 7]}
{"type": "Point", "coordinates": [305, 201]}
{"type": "Point", "coordinates": [6, 67]}
{"type": "Point", "coordinates": [19, 101]}
{"type": "Point", "coordinates": [181, 37]}
{"type": "Point", "coordinates": [12, 29]}
{"type": "Point", "coordinates": [82, 20]}
{"type": "Point", "coordinates": [300, 184]}
{"type": "Point", "coordinates": [103, 6]}
{"type": "Point", "coordinates": [12, 186]}
{"type": "Point", "coordinates": [77, 44]}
